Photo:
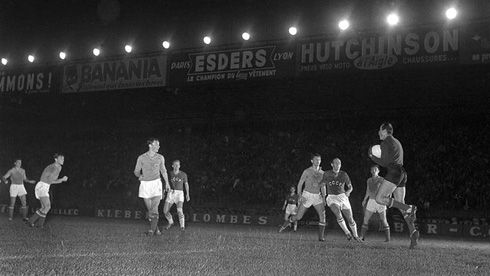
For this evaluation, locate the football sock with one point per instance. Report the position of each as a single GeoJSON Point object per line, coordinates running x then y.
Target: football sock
{"type": "Point", "coordinates": [23, 211]}
{"type": "Point", "coordinates": [168, 216]}
{"type": "Point", "coordinates": [154, 221]}
{"type": "Point", "coordinates": [364, 229]}
{"type": "Point", "coordinates": [342, 225]}
{"type": "Point", "coordinates": [321, 230]}
{"type": "Point", "coordinates": [42, 217]}
{"type": "Point", "coordinates": [34, 218]}
{"type": "Point", "coordinates": [11, 212]}
{"type": "Point", "coordinates": [40, 222]}
{"type": "Point", "coordinates": [180, 212]}
{"type": "Point", "coordinates": [353, 228]}
{"type": "Point", "coordinates": [295, 226]}
{"type": "Point", "coordinates": [387, 233]}
{"type": "Point", "coordinates": [411, 227]}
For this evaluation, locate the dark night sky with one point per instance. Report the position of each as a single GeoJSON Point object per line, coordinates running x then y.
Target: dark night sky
{"type": "Point", "coordinates": [46, 27]}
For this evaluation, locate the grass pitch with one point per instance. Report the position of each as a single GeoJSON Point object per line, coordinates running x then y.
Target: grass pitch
{"type": "Point", "coordinates": [94, 246]}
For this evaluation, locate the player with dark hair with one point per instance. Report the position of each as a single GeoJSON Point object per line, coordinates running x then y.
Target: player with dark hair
{"type": "Point", "coordinates": [394, 182]}
{"type": "Point", "coordinates": [335, 182]}
{"type": "Point", "coordinates": [291, 206]}
{"type": "Point", "coordinates": [149, 166]}
{"type": "Point", "coordinates": [311, 195]}
{"type": "Point", "coordinates": [48, 178]}
{"type": "Point", "coordinates": [17, 177]}
{"type": "Point", "coordinates": [179, 181]}
{"type": "Point", "coordinates": [371, 206]}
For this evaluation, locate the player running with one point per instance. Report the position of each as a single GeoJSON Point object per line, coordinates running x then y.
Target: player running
{"type": "Point", "coordinates": [48, 178]}
{"type": "Point", "coordinates": [335, 182]}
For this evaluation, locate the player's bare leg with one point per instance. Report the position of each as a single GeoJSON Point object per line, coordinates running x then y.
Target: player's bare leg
{"type": "Point", "coordinates": [23, 208]}
{"type": "Point", "coordinates": [11, 208]}
{"type": "Point", "coordinates": [180, 213]}
{"type": "Point", "coordinates": [340, 220]}
{"type": "Point", "coordinates": [386, 226]}
{"type": "Point", "coordinates": [352, 223]}
{"type": "Point", "coordinates": [40, 215]}
{"type": "Point", "coordinates": [152, 206]}
{"type": "Point", "coordinates": [320, 209]}
{"type": "Point", "coordinates": [168, 216]}
{"type": "Point", "coordinates": [365, 223]}
{"type": "Point", "coordinates": [383, 196]}
{"type": "Point", "coordinates": [301, 211]}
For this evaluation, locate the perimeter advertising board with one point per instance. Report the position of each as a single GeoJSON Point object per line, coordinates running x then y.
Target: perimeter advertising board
{"type": "Point", "coordinates": [400, 49]}
{"type": "Point", "coordinates": [275, 61]}
{"type": "Point", "coordinates": [475, 43]}
{"type": "Point", "coordinates": [29, 80]}
{"type": "Point", "coordinates": [128, 73]}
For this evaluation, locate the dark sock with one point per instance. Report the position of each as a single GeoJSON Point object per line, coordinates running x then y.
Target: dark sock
{"type": "Point", "coordinates": [11, 212]}
{"type": "Point", "coordinates": [40, 222]}
{"type": "Point", "coordinates": [364, 229]}
{"type": "Point", "coordinates": [387, 233]}
{"type": "Point", "coordinates": [33, 219]}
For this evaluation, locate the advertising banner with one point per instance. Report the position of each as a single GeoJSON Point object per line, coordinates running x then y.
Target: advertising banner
{"type": "Point", "coordinates": [242, 64]}
{"type": "Point", "coordinates": [29, 80]}
{"type": "Point", "coordinates": [368, 52]}
{"type": "Point", "coordinates": [475, 43]}
{"type": "Point", "coordinates": [118, 74]}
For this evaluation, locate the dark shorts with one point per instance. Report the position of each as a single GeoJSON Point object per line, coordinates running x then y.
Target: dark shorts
{"type": "Point", "coordinates": [396, 175]}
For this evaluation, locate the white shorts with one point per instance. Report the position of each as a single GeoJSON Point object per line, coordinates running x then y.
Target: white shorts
{"type": "Point", "coordinates": [341, 200]}
{"type": "Point", "coordinates": [42, 189]}
{"type": "Point", "coordinates": [175, 196]}
{"type": "Point", "coordinates": [309, 199]}
{"type": "Point", "coordinates": [373, 206]}
{"type": "Point", "coordinates": [150, 189]}
{"type": "Point", "coordinates": [291, 209]}
{"type": "Point", "coordinates": [17, 190]}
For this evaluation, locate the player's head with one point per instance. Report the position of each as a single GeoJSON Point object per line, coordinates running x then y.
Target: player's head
{"type": "Point", "coordinates": [385, 130]}
{"type": "Point", "coordinates": [59, 158]}
{"type": "Point", "coordinates": [176, 164]}
{"type": "Point", "coordinates": [336, 164]}
{"type": "Point", "coordinates": [153, 144]}
{"type": "Point", "coordinates": [374, 169]}
{"type": "Point", "coordinates": [18, 162]}
{"type": "Point", "coordinates": [292, 189]}
{"type": "Point", "coordinates": [316, 159]}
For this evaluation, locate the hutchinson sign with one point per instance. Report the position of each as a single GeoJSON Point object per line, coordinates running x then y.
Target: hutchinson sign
{"type": "Point", "coordinates": [409, 49]}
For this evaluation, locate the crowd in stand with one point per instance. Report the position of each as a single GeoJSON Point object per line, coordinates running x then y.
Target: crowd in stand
{"type": "Point", "coordinates": [254, 164]}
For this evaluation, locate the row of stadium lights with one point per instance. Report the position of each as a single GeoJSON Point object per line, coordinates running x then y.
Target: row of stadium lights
{"type": "Point", "coordinates": [391, 19]}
